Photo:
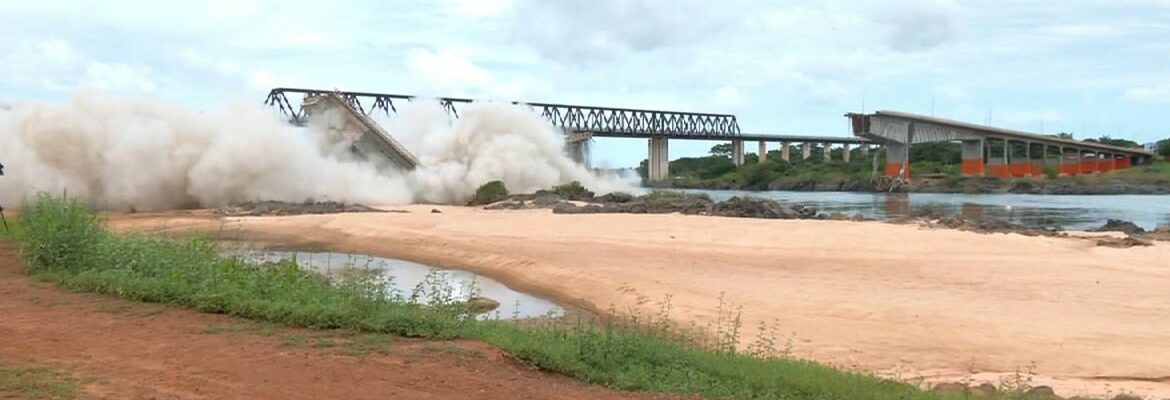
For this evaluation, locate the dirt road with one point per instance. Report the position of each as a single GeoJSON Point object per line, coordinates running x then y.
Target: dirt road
{"type": "Point", "coordinates": [943, 305]}
{"type": "Point", "coordinates": [123, 350]}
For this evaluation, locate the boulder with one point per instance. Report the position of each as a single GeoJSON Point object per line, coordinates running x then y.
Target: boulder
{"type": "Point", "coordinates": [1118, 225]}
{"type": "Point", "coordinates": [480, 305]}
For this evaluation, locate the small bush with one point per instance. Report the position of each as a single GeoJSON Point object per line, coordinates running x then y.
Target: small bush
{"type": "Point", "coordinates": [572, 191]}
{"type": "Point", "coordinates": [489, 193]}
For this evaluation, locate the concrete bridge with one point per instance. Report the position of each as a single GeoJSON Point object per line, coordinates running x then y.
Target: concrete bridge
{"type": "Point", "coordinates": [581, 123]}
{"type": "Point", "coordinates": [1020, 154]}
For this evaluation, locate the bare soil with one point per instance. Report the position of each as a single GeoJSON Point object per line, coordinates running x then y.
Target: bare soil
{"type": "Point", "coordinates": [124, 350]}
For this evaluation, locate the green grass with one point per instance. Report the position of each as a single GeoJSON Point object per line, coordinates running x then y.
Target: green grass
{"type": "Point", "coordinates": [65, 243]}
{"type": "Point", "coordinates": [21, 381]}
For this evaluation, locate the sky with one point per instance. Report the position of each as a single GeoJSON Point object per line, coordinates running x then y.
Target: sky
{"type": "Point", "coordinates": [1089, 67]}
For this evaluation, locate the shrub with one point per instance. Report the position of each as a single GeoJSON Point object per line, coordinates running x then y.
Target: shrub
{"type": "Point", "coordinates": [489, 193]}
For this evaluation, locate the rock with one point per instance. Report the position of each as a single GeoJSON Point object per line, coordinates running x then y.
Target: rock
{"type": "Point", "coordinates": [507, 205]}
{"type": "Point", "coordinates": [1042, 392]}
{"type": "Point", "coordinates": [270, 207]}
{"type": "Point", "coordinates": [984, 390]}
{"type": "Point", "coordinates": [545, 198]}
{"type": "Point", "coordinates": [615, 197]}
{"type": "Point", "coordinates": [436, 211]}
{"type": "Point", "coordinates": [480, 305]}
{"type": "Point", "coordinates": [1123, 243]}
{"type": "Point", "coordinates": [1126, 396]}
{"type": "Point", "coordinates": [1117, 225]}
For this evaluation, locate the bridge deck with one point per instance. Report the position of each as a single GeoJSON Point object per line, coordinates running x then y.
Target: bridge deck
{"type": "Point", "coordinates": [893, 126]}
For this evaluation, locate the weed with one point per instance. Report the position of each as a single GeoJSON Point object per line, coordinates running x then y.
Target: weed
{"type": "Point", "coordinates": [324, 342]}
{"type": "Point", "coordinates": [35, 382]}
{"type": "Point", "coordinates": [365, 344]}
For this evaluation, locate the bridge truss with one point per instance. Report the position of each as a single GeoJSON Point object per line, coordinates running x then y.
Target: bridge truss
{"type": "Point", "coordinates": [599, 121]}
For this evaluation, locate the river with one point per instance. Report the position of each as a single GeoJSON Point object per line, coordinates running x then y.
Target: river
{"type": "Point", "coordinates": [1066, 211]}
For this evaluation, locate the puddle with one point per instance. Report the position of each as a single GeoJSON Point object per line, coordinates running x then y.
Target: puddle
{"type": "Point", "coordinates": [402, 277]}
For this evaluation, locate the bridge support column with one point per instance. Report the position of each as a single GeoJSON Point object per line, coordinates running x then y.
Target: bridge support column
{"type": "Point", "coordinates": [1069, 162]}
{"type": "Point", "coordinates": [807, 150]}
{"type": "Point", "coordinates": [999, 166]}
{"type": "Point", "coordinates": [763, 152]}
{"type": "Point", "coordinates": [659, 168]}
{"type": "Point", "coordinates": [737, 152]}
{"type": "Point", "coordinates": [972, 158]}
{"type": "Point", "coordinates": [784, 151]}
{"type": "Point", "coordinates": [898, 160]}
{"type": "Point", "coordinates": [827, 155]}
{"type": "Point", "coordinates": [845, 153]}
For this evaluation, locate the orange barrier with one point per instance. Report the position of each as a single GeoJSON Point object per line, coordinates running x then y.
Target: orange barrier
{"type": "Point", "coordinates": [972, 167]}
{"type": "Point", "coordinates": [892, 169]}
{"type": "Point", "coordinates": [1105, 165]}
{"type": "Point", "coordinates": [1020, 169]}
{"type": "Point", "coordinates": [999, 170]}
{"type": "Point", "coordinates": [1070, 168]}
{"type": "Point", "coordinates": [1037, 168]}
{"type": "Point", "coordinates": [1121, 163]}
{"type": "Point", "coordinates": [1088, 166]}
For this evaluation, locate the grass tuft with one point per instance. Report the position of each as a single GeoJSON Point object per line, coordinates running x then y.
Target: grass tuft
{"type": "Point", "coordinates": [35, 382]}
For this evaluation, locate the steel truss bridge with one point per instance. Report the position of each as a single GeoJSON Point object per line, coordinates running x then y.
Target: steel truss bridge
{"type": "Point", "coordinates": [600, 121]}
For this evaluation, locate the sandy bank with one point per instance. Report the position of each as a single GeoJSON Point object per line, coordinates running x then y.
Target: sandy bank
{"type": "Point", "coordinates": [893, 298]}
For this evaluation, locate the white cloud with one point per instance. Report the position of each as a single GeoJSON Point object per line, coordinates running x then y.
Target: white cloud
{"type": "Point", "coordinates": [920, 24]}
{"type": "Point", "coordinates": [1150, 94]}
{"type": "Point", "coordinates": [446, 69]}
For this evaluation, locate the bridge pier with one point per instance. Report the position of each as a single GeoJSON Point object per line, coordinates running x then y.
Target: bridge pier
{"type": "Point", "coordinates": [845, 153]}
{"type": "Point", "coordinates": [898, 160]}
{"type": "Point", "coordinates": [826, 155]}
{"type": "Point", "coordinates": [972, 158]}
{"type": "Point", "coordinates": [763, 152]}
{"type": "Point", "coordinates": [737, 152]}
{"type": "Point", "coordinates": [659, 161]}
{"type": "Point", "coordinates": [784, 151]}
{"type": "Point", "coordinates": [806, 148]}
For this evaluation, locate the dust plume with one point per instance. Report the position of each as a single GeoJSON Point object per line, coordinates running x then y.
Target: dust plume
{"type": "Point", "coordinates": [128, 153]}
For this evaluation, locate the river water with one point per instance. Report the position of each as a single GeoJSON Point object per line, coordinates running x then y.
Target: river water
{"type": "Point", "coordinates": [404, 279]}
{"type": "Point", "coordinates": [1066, 211]}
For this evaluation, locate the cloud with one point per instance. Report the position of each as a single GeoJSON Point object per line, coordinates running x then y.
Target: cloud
{"type": "Point", "coordinates": [920, 24]}
{"type": "Point", "coordinates": [583, 31]}
{"type": "Point", "coordinates": [56, 65]}
{"type": "Point", "coordinates": [446, 69]}
{"type": "Point", "coordinates": [1150, 94]}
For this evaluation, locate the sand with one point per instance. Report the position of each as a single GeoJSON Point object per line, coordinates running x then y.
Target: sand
{"type": "Point", "coordinates": [900, 300]}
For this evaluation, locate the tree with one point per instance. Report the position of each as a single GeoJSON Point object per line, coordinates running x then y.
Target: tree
{"type": "Point", "coordinates": [1064, 135]}
{"type": "Point", "coordinates": [1163, 148]}
{"type": "Point", "coordinates": [1106, 140]}
{"type": "Point", "coordinates": [721, 150]}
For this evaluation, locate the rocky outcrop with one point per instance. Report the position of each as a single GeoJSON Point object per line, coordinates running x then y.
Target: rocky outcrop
{"type": "Point", "coordinates": [270, 207]}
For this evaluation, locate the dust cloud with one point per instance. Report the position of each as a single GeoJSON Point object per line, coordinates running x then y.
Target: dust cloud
{"type": "Point", "coordinates": [127, 153]}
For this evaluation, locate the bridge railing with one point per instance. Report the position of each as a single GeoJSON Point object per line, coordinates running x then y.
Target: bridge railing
{"type": "Point", "coordinates": [607, 121]}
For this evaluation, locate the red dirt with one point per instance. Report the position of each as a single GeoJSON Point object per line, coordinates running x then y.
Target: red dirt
{"type": "Point", "coordinates": [128, 350]}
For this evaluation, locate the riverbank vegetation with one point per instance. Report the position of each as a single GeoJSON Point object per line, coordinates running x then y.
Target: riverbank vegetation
{"type": "Point", "coordinates": [65, 243]}
{"type": "Point", "coordinates": [935, 167]}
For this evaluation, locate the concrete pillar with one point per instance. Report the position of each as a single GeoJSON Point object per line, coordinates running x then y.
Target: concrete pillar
{"type": "Point", "coordinates": [737, 152]}
{"type": "Point", "coordinates": [827, 155]}
{"type": "Point", "coordinates": [897, 160]}
{"type": "Point", "coordinates": [784, 151]}
{"type": "Point", "coordinates": [863, 150]}
{"type": "Point", "coordinates": [845, 153]}
{"type": "Point", "coordinates": [972, 158]}
{"type": "Point", "coordinates": [999, 166]}
{"type": "Point", "coordinates": [807, 150]}
{"type": "Point", "coordinates": [659, 168]}
{"type": "Point", "coordinates": [763, 152]}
